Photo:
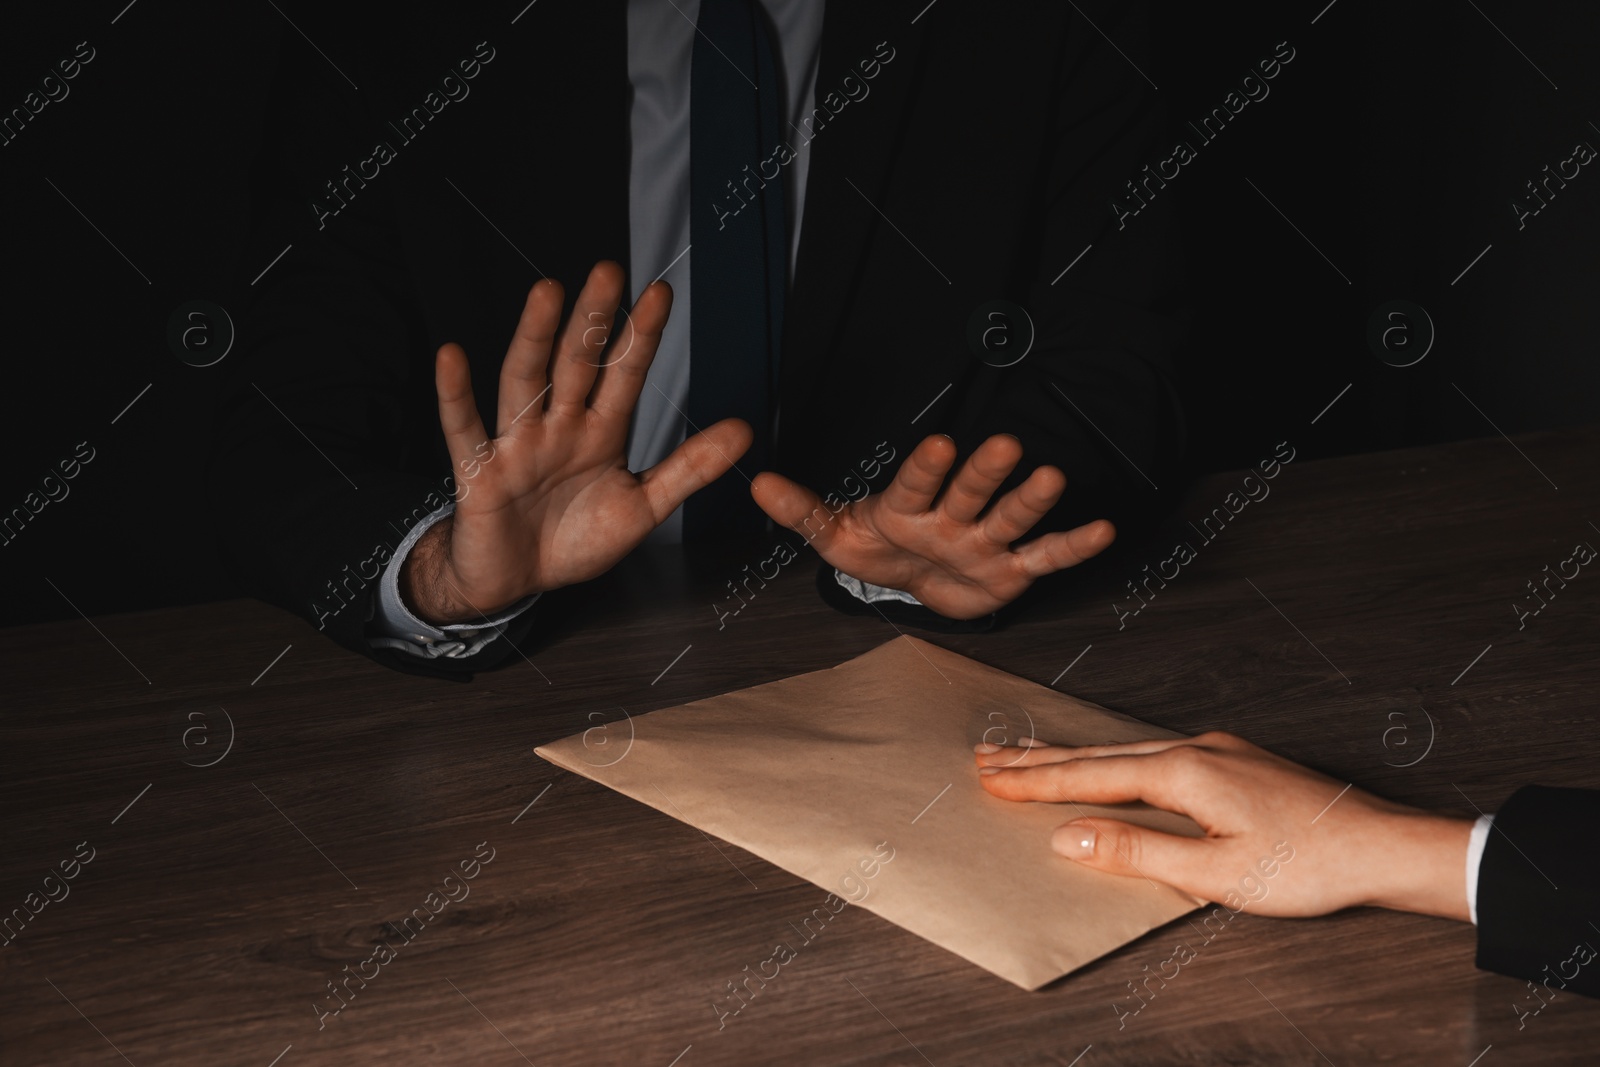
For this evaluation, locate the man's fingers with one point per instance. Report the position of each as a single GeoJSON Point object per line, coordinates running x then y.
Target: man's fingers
{"type": "Point", "coordinates": [583, 339]}
{"type": "Point", "coordinates": [919, 477]}
{"type": "Point", "coordinates": [523, 375]}
{"type": "Point", "coordinates": [1015, 513]}
{"type": "Point", "coordinates": [793, 506]}
{"type": "Point", "coordinates": [626, 365]}
{"type": "Point", "coordinates": [979, 477]}
{"type": "Point", "coordinates": [1122, 848]}
{"type": "Point", "coordinates": [458, 412]}
{"type": "Point", "coordinates": [695, 464]}
{"type": "Point", "coordinates": [1058, 551]}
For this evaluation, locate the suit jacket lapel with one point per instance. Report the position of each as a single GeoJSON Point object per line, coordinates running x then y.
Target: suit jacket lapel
{"type": "Point", "coordinates": [852, 148]}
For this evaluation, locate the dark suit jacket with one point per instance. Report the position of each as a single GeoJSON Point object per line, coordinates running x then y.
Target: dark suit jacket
{"type": "Point", "coordinates": [1539, 891]}
{"type": "Point", "coordinates": [978, 166]}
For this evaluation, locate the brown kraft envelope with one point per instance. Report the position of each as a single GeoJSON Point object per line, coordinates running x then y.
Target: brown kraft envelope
{"type": "Point", "coordinates": [813, 773]}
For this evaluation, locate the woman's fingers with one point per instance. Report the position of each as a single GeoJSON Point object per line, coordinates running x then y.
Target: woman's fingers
{"type": "Point", "coordinates": [523, 377]}
{"type": "Point", "coordinates": [1179, 778]}
{"type": "Point", "coordinates": [1171, 777]}
{"type": "Point", "coordinates": [979, 477]}
{"type": "Point", "coordinates": [458, 412]}
{"type": "Point", "coordinates": [1038, 755]}
{"type": "Point", "coordinates": [1194, 865]}
{"type": "Point", "coordinates": [1038, 752]}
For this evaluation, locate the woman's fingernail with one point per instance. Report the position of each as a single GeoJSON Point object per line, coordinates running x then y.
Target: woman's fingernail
{"type": "Point", "coordinates": [990, 770]}
{"type": "Point", "coordinates": [985, 748]}
{"type": "Point", "coordinates": [1074, 840]}
{"type": "Point", "coordinates": [1033, 742]}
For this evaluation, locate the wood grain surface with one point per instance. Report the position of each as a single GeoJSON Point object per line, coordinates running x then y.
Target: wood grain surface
{"type": "Point", "coordinates": [230, 885]}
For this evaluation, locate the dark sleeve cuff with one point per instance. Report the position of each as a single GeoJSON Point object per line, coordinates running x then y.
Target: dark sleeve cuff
{"type": "Point", "coordinates": [1539, 890]}
{"type": "Point", "coordinates": [496, 653]}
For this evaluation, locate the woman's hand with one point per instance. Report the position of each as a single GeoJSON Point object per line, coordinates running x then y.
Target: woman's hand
{"type": "Point", "coordinates": [1346, 847]}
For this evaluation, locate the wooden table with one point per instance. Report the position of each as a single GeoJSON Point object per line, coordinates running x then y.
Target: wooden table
{"type": "Point", "coordinates": [228, 886]}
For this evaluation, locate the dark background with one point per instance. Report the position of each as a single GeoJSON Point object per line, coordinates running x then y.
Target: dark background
{"type": "Point", "coordinates": [1395, 141]}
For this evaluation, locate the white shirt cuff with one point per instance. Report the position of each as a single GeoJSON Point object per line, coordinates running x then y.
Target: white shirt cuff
{"type": "Point", "coordinates": [396, 626]}
{"type": "Point", "coordinates": [1475, 843]}
{"type": "Point", "coordinates": [870, 593]}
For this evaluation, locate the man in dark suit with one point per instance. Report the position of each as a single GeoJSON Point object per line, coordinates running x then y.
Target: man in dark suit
{"type": "Point", "coordinates": [1284, 840]}
{"type": "Point", "coordinates": [917, 242]}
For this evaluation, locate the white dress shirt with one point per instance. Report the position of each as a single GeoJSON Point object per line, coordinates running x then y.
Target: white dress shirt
{"type": "Point", "coordinates": [661, 35]}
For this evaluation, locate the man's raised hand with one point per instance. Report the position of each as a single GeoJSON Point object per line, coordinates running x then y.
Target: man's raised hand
{"type": "Point", "coordinates": [956, 561]}
{"type": "Point", "coordinates": [549, 500]}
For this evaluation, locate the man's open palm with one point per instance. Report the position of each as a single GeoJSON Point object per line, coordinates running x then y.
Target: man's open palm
{"type": "Point", "coordinates": [953, 559]}
{"type": "Point", "coordinates": [549, 501]}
